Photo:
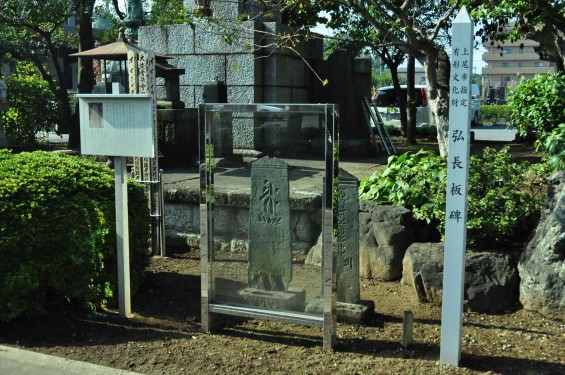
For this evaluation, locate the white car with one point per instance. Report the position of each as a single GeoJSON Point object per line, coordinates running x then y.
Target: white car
{"type": "Point", "coordinates": [387, 105]}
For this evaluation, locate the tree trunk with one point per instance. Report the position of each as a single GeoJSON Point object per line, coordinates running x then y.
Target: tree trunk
{"type": "Point", "coordinates": [411, 102]}
{"type": "Point", "coordinates": [57, 87]}
{"type": "Point", "coordinates": [437, 68]}
{"type": "Point", "coordinates": [85, 71]}
{"type": "Point", "coordinates": [399, 96]}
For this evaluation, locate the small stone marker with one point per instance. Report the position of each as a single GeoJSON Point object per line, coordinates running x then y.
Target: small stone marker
{"type": "Point", "coordinates": [270, 255]}
{"type": "Point", "coordinates": [348, 239]}
{"type": "Point", "coordinates": [457, 188]}
{"type": "Point", "coordinates": [407, 328]}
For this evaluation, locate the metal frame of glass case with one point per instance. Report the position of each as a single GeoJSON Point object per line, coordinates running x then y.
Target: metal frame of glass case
{"type": "Point", "coordinates": [212, 116]}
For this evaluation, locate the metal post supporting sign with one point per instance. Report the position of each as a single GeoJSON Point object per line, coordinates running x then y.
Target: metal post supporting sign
{"type": "Point", "coordinates": [457, 188]}
{"type": "Point", "coordinates": [119, 125]}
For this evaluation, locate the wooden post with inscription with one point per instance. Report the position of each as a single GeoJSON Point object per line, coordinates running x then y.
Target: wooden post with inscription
{"type": "Point", "coordinates": [457, 188]}
{"type": "Point", "coordinates": [141, 78]}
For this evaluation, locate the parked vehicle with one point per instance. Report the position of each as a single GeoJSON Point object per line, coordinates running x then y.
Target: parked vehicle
{"type": "Point", "coordinates": [387, 105]}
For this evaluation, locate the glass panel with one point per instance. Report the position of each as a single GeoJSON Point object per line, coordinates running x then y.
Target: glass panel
{"type": "Point", "coordinates": [264, 190]}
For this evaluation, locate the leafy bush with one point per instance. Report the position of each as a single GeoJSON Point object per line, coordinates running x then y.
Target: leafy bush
{"type": "Point", "coordinates": [393, 130]}
{"type": "Point", "coordinates": [501, 196]}
{"type": "Point", "coordinates": [495, 113]}
{"type": "Point", "coordinates": [537, 106]}
{"type": "Point", "coordinates": [554, 148]}
{"type": "Point", "coordinates": [33, 107]}
{"type": "Point", "coordinates": [427, 132]}
{"type": "Point", "coordinates": [57, 232]}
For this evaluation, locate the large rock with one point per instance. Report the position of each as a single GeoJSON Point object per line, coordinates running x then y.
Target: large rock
{"type": "Point", "coordinates": [542, 264]}
{"type": "Point", "coordinates": [491, 279]}
{"type": "Point", "coordinates": [418, 256]}
{"type": "Point", "coordinates": [385, 232]}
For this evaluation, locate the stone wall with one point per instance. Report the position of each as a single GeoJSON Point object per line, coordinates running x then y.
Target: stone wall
{"type": "Point", "coordinates": [246, 58]}
{"type": "Point", "coordinates": [231, 219]}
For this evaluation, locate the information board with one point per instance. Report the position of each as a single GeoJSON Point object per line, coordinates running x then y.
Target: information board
{"type": "Point", "coordinates": [116, 125]}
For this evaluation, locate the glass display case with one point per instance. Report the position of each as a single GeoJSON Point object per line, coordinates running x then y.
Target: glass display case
{"type": "Point", "coordinates": [267, 214]}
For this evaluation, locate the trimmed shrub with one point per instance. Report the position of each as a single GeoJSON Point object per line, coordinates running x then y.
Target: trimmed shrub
{"type": "Point", "coordinates": [502, 197]}
{"type": "Point", "coordinates": [57, 232]}
{"type": "Point", "coordinates": [495, 113]}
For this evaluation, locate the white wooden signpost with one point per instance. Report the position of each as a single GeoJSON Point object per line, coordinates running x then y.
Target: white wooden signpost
{"type": "Point", "coordinates": [120, 126]}
{"type": "Point", "coordinates": [457, 188]}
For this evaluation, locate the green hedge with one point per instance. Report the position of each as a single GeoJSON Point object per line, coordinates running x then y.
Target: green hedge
{"type": "Point", "coordinates": [495, 113]}
{"type": "Point", "coordinates": [57, 232]}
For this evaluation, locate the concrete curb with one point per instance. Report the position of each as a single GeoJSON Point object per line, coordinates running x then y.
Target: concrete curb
{"type": "Point", "coordinates": [22, 362]}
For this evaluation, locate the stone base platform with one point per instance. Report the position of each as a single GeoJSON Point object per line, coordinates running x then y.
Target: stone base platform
{"type": "Point", "coordinates": [354, 313]}
{"type": "Point", "coordinates": [293, 299]}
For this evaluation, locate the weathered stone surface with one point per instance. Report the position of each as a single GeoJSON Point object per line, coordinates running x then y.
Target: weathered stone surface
{"type": "Point", "coordinates": [347, 264]}
{"type": "Point", "coordinates": [170, 39]}
{"type": "Point", "coordinates": [314, 257]}
{"type": "Point", "coordinates": [270, 255]}
{"type": "Point", "coordinates": [353, 313]}
{"type": "Point", "coordinates": [542, 264]}
{"type": "Point", "coordinates": [416, 256]}
{"type": "Point", "coordinates": [491, 280]}
{"type": "Point", "coordinates": [385, 233]}
{"type": "Point", "coordinates": [293, 299]}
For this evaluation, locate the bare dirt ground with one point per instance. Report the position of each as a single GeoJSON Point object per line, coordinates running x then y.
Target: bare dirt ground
{"type": "Point", "coordinates": [164, 336]}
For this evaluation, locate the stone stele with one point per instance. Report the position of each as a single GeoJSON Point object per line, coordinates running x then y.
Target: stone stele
{"type": "Point", "coordinates": [348, 239]}
{"type": "Point", "coordinates": [270, 255]}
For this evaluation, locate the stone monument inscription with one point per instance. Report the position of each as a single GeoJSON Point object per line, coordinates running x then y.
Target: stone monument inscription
{"type": "Point", "coordinates": [270, 255]}
{"type": "Point", "coordinates": [348, 239]}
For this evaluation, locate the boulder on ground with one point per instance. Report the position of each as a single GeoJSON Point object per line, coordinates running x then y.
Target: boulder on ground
{"type": "Point", "coordinates": [542, 264]}
{"type": "Point", "coordinates": [491, 279]}
{"type": "Point", "coordinates": [385, 233]}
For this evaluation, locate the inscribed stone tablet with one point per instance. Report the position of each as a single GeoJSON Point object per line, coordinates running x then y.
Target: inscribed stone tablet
{"type": "Point", "coordinates": [348, 240]}
{"type": "Point", "coordinates": [270, 256]}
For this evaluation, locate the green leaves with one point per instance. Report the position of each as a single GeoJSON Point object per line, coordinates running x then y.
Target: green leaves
{"type": "Point", "coordinates": [554, 148]}
{"type": "Point", "coordinates": [537, 106]}
{"type": "Point", "coordinates": [57, 231]}
{"type": "Point", "coordinates": [33, 106]}
{"type": "Point", "coordinates": [494, 113]}
{"type": "Point", "coordinates": [503, 195]}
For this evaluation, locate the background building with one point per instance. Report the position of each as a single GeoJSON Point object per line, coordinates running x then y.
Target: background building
{"type": "Point", "coordinates": [507, 63]}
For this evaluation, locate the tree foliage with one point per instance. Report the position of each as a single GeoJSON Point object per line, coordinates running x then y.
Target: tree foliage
{"type": "Point", "coordinates": [537, 106]}
{"type": "Point", "coordinates": [32, 105]}
{"type": "Point", "coordinates": [32, 31]}
{"type": "Point", "coordinates": [168, 12]}
{"type": "Point", "coordinates": [539, 20]}
{"type": "Point", "coordinates": [421, 26]}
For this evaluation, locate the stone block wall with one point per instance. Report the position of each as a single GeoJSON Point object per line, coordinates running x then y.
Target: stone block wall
{"type": "Point", "coordinates": [260, 74]}
{"type": "Point", "coordinates": [231, 220]}
{"type": "Point", "coordinates": [247, 58]}
{"type": "Point", "coordinates": [254, 70]}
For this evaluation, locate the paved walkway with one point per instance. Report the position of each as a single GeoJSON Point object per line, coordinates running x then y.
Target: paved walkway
{"type": "Point", "coordinates": [22, 362]}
